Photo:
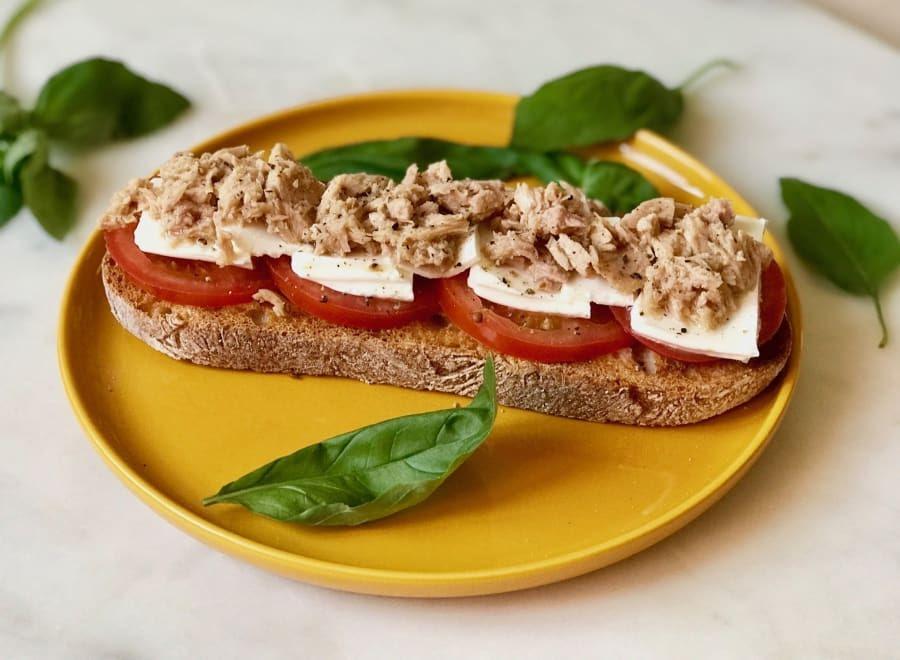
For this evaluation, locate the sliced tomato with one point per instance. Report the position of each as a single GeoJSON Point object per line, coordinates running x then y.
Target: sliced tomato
{"type": "Point", "coordinates": [772, 306]}
{"type": "Point", "coordinates": [538, 337]}
{"type": "Point", "coordinates": [772, 302]}
{"type": "Point", "coordinates": [353, 311]}
{"type": "Point", "coordinates": [184, 281]}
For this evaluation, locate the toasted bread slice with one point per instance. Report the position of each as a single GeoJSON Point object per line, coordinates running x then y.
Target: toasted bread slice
{"type": "Point", "coordinates": [631, 386]}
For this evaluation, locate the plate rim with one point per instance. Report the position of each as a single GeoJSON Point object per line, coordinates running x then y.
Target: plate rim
{"type": "Point", "coordinates": [438, 583]}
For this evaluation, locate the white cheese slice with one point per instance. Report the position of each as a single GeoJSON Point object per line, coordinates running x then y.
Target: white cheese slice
{"type": "Point", "coordinates": [150, 237]}
{"type": "Point", "coordinates": [602, 292]}
{"type": "Point", "coordinates": [257, 241]}
{"type": "Point", "coordinates": [754, 227]}
{"type": "Point", "coordinates": [507, 286]}
{"type": "Point", "coordinates": [734, 340]}
{"type": "Point", "coordinates": [246, 242]}
{"type": "Point", "coordinates": [513, 288]}
{"type": "Point", "coordinates": [372, 277]}
{"type": "Point", "coordinates": [469, 254]}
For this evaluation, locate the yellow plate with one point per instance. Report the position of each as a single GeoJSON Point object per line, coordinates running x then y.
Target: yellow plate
{"type": "Point", "coordinates": [543, 500]}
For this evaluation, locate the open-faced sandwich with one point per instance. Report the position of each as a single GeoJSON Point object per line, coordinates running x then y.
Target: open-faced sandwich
{"type": "Point", "coordinates": [665, 316]}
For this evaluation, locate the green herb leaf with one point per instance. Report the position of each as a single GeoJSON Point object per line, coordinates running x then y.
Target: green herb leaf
{"type": "Point", "coordinates": [98, 100]}
{"type": "Point", "coordinates": [50, 195]}
{"type": "Point", "coordinates": [620, 187]}
{"type": "Point", "coordinates": [598, 104]}
{"type": "Point", "coordinates": [593, 105]}
{"type": "Point", "coordinates": [10, 202]}
{"type": "Point", "coordinates": [842, 239]}
{"type": "Point", "coordinates": [392, 157]}
{"type": "Point", "coordinates": [31, 144]}
{"type": "Point", "coordinates": [615, 184]}
{"type": "Point", "coordinates": [13, 118]}
{"type": "Point", "coordinates": [552, 166]}
{"type": "Point", "coordinates": [370, 473]}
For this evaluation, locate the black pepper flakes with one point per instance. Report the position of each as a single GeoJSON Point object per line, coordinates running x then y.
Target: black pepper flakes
{"type": "Point", "coordinates": [323, 298]}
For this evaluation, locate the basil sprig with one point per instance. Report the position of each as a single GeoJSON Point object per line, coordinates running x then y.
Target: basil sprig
{"type": "Point", "coordinates": [598, 104]}
{"type": "Point", "coordinates": [391, 158]}
{"type": "Point", "coordinates": [98, 101]}
{"type": "Point", "coordinates": [369, 473]}
{"type": "Point", "coordinates": [618, 186]}
{"type": "Point", "coordinates": [593, 105]}
{"type": "Point", "coordinates": [842, 239]}
{"type": "Point", "coordinates": [86, 104]}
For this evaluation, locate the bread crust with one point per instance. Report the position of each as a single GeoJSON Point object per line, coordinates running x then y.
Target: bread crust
{"type": "Point", "coordinates": [631, 386]}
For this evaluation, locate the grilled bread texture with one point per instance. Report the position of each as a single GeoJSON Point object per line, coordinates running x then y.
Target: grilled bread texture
{"type": "Point", "coordinates": [631, 386]}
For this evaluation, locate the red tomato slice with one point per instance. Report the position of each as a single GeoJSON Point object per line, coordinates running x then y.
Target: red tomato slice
{"type": "Point", "coordinates": [353, 311]}
{"type": "Point", "coordinates": [183, 280]}
{"type": "Point", "coordinates": [772, 302]}
{"type": "Point", "coordinates": [772, 306]}
{"type": "Point", "coordinates": [538, 337]}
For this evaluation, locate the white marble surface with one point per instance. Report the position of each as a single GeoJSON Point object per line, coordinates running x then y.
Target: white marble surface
{"type": "Point", "coordinates": [802, 559]}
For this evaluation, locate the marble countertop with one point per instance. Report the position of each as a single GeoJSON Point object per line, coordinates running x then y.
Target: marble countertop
{"type": "Point", "coordinates": [801, 559]}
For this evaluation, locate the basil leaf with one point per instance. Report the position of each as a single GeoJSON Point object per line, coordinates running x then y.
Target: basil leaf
{"type": "Point", "coordinates": [50, 195]}
{"type": "Point", "coordinates": [842, 239]}
{"type": "Point", "coordinates": [615, 184]}
{"type": "Point", "coordinates": [597, 104]}
{"type": "Point", "coordinates": [392, 157]}
{"type": "Point", "coordinates": [13, 117]}
{"type": "Point", "coordinates": [32, 144]}
{"type": "Point", "coordinates": [98, 100]}
{"type": "Point", "coordinates": [553, 166]}
{"type": "Point", "coordinates": [370, 473]}
{"type": "Point", "coordinates": [10, 202]}
{"type": "Point", "coordinates": [10, 192]}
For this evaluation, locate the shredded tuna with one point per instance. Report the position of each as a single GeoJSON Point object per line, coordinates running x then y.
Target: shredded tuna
{"type": "Point", "coordinates": [547, 231]}
{"type": "Point", "coordinates": [123, 207]}
{"type": "Point", "coordinates": [422, 221]}
{"type": "Point", "coordinates": [689, 263]}
{"type": "Point", "coordinates": [343, 218]}
{"type": "Point", "coordinates": [272, 298]}
{"type": "Point", "coordinates": [205, 197]}
{"type": "Point", "coordinates": [703, 266]}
